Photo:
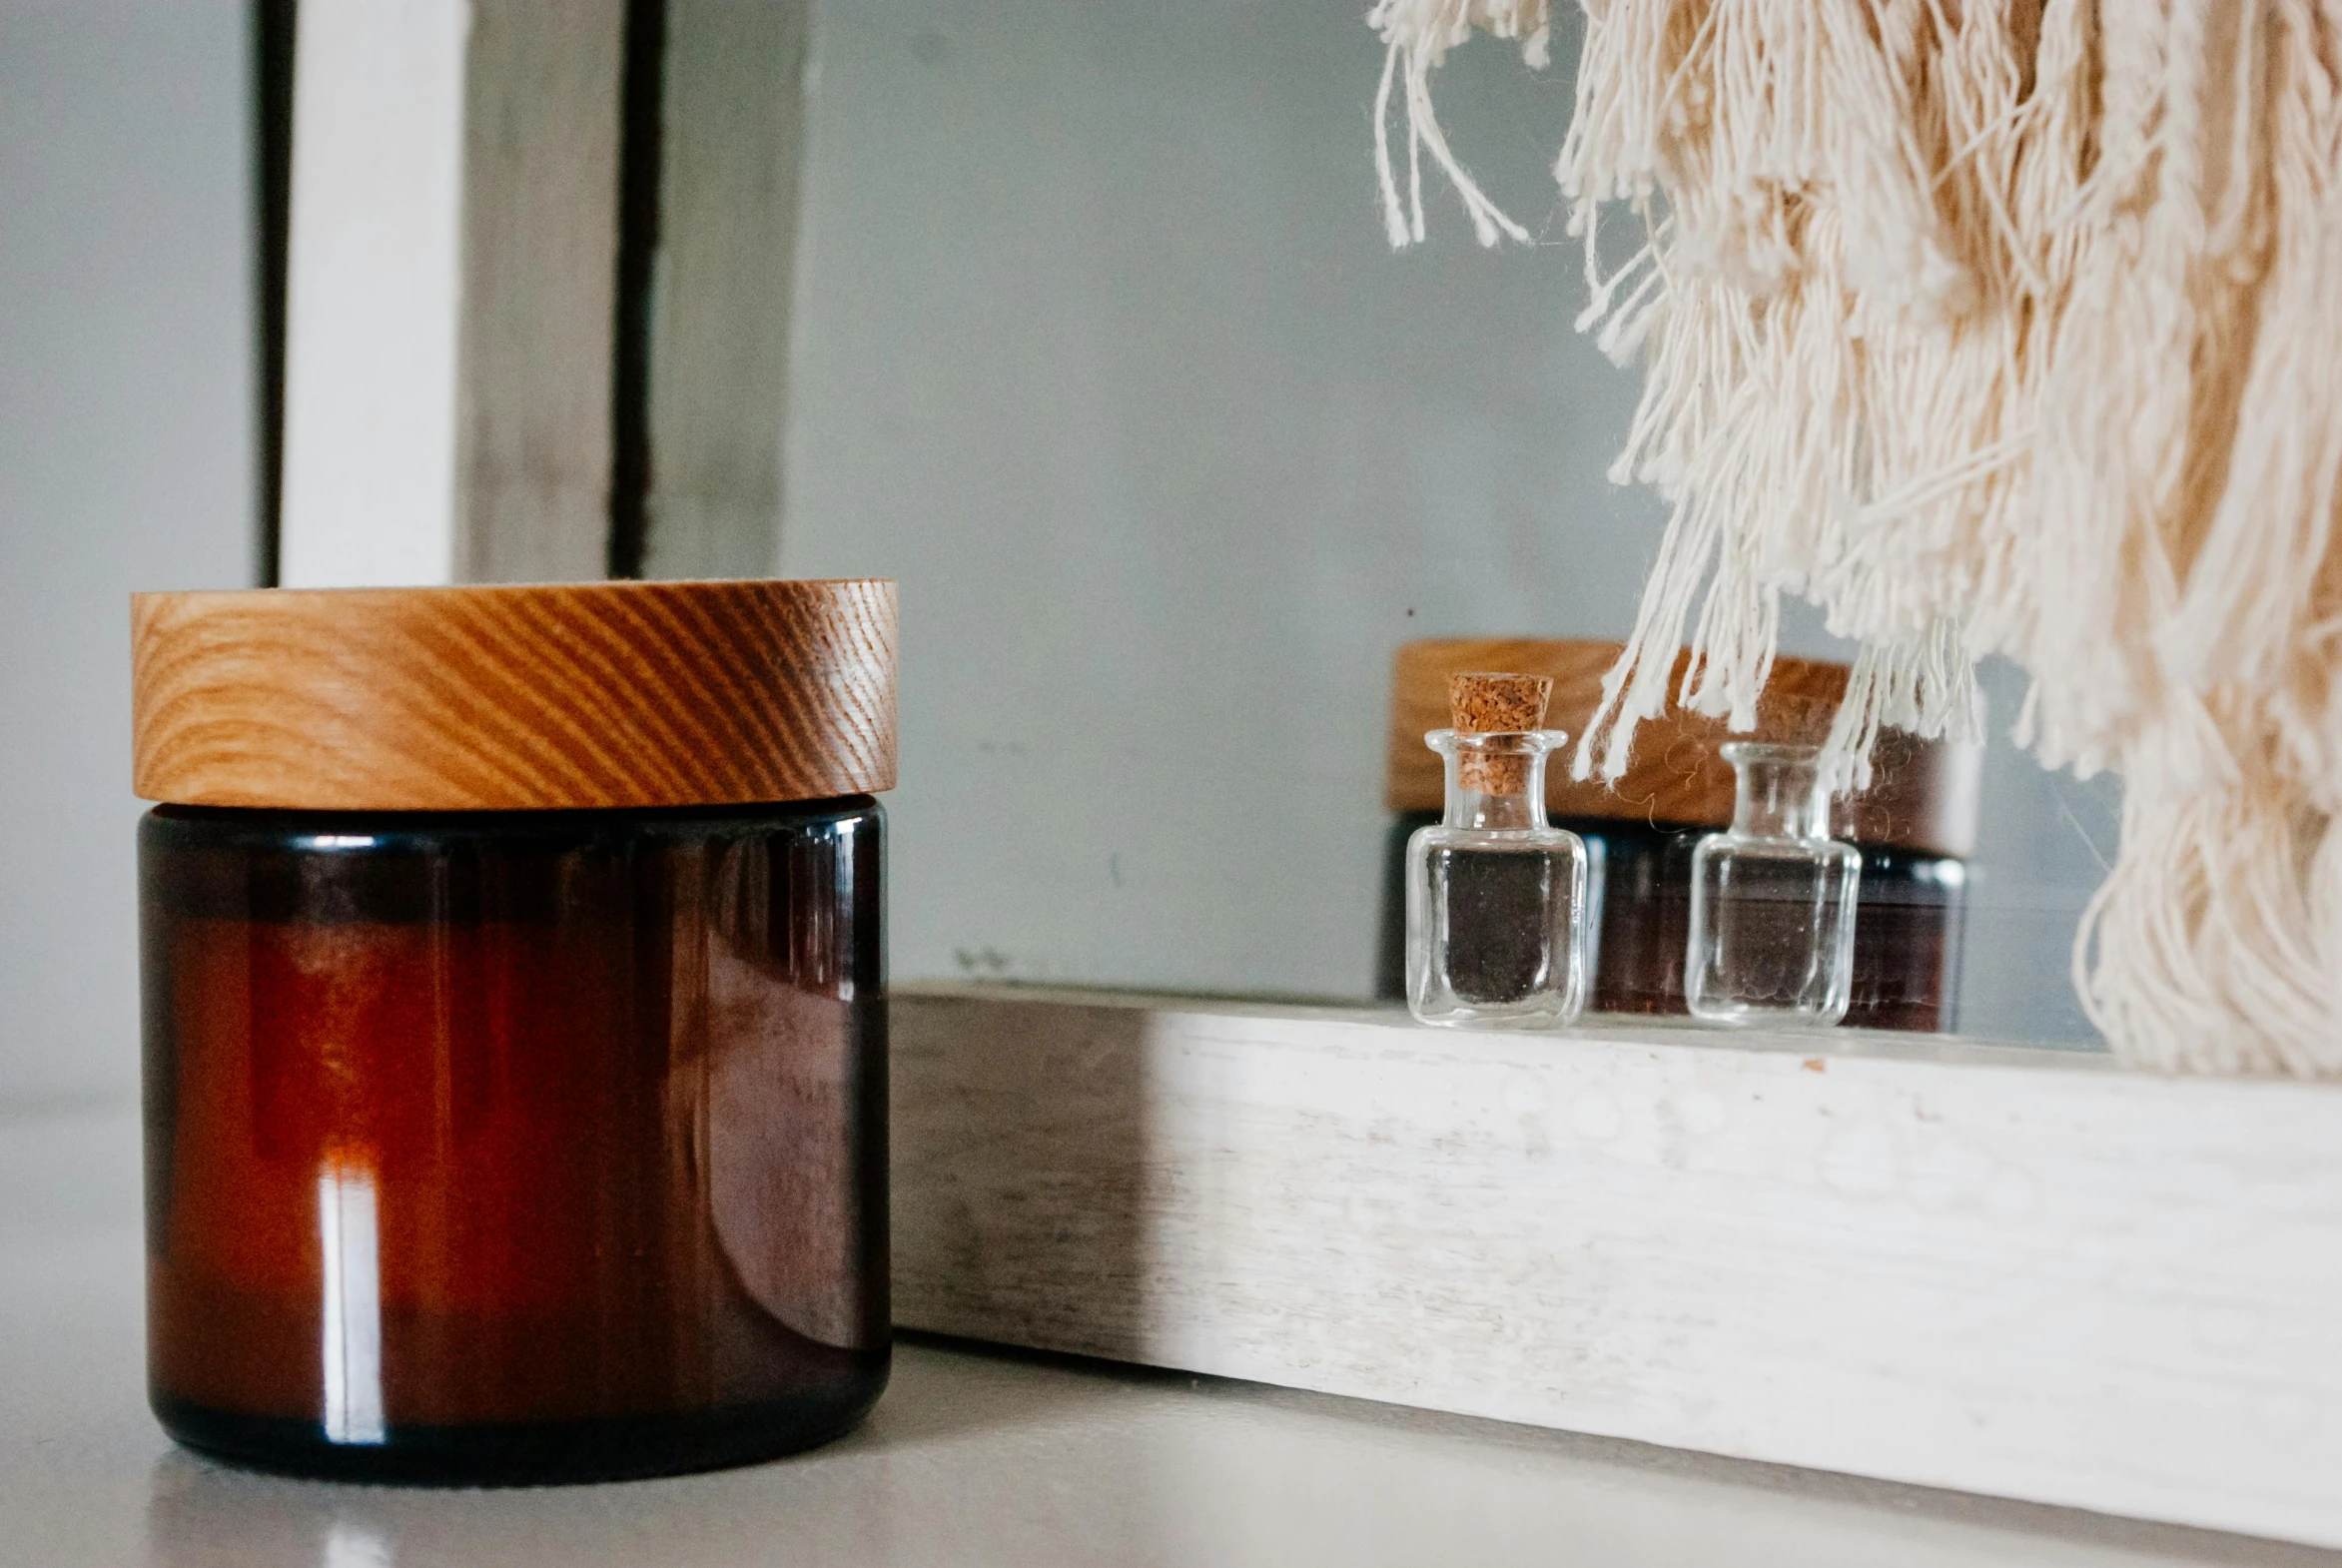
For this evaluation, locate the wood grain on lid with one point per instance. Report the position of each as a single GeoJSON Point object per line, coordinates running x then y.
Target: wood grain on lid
{"type": "Point", "coordinates": [501, 698]}
{"type": "Point", "coordinates": [1923, 795]}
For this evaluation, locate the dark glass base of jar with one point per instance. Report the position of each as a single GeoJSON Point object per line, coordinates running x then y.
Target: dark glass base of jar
{"type": "Point", "coordinates": [545, 1147]}
{"type": "Point", "coordinates": [532, 1453]}
{"type": "Point", "coordinates": [1906, 923]}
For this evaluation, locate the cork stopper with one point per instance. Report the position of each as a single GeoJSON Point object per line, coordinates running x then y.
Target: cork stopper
{"type": "Point", "coordinates": [1495, 704]}
{"type": "Point", "coordinates": [1484, 704]}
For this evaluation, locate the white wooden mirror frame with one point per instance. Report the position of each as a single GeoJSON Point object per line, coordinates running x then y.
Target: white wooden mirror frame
{"type": "Point", "coordinates": [2027, 1274]}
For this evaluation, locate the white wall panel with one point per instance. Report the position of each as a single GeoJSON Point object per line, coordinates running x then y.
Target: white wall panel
{"type": "Point", "coordinates": [376, 284]}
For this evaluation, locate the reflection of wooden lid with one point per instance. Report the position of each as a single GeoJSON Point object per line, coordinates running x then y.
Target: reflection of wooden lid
{"type": "Point", "coordinates": [514, 699]}
{"type": "Point", "coordinates": [1922, 796]}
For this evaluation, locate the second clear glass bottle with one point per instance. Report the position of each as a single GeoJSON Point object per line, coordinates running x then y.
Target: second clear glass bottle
{"type": "Point", "coordinates": [1773, 899]}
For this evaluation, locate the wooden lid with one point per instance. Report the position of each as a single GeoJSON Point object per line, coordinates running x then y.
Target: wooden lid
{"type": "Point", "coordinates": [504, 698]}
{"type": "Point", "coordinates": [1923, 795]}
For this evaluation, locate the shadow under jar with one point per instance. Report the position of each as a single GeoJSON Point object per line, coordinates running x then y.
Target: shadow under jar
{"type": "Point", "coordinates": [497, 1146]}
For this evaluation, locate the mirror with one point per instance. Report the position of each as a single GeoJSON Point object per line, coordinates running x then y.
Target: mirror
{"type": "Point", "coordinates": [1100, 348]}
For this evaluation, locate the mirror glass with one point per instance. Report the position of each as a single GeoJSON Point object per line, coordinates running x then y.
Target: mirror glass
{"type": "Point", "coordinates": [1099, 347]}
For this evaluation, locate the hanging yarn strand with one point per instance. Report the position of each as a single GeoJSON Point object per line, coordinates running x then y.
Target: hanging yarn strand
{"type": "Point", "coordinates": [1998, 327]}
{"type": "Point", "coordinates": [1416, 36]}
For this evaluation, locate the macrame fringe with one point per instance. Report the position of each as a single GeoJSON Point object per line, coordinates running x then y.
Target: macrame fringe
{"type": "Point", "coordinates": [1416, 36]}
{"type": "Point", "coordinates": [1997, 327]}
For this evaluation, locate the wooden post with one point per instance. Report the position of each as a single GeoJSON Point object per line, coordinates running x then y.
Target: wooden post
{"type": "Point", "coordinates": [454, 308]}
{"type": "Point", "coordinates": [451, 262]}
{"type": "Point", "coordinates": [721, 304]}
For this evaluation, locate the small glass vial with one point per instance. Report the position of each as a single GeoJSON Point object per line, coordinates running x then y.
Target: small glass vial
{"type": "Point", "coordinates": [1496, 898]}
{"type": "Point", "coordinates": [1773, 899]}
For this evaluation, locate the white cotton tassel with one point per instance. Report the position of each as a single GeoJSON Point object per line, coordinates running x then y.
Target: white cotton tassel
{"type": "Point", "coordinates": [2205, 950]}
{"type": "Point", "coordinates": [2003, 326]}
{"type": "Point", "coordinates": [1417, 34]}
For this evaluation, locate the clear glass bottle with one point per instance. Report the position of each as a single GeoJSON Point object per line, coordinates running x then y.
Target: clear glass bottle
{"type": "Point", "coordinates": [1773, 899]}
{"type": "Point", "coordinates": [1496, 898]}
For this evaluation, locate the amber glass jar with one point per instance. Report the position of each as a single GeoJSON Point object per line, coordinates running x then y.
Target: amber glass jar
{"type": "Point", "coordinates": [519, 1141]}
{"type": "Point", "coordinates": [1914, 826]}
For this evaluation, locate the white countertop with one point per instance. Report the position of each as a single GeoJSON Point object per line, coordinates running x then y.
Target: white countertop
{"type": "Point", "coordinates": [973, 1456]}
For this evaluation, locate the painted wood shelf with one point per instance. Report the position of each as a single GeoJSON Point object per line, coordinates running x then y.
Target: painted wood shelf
{"type": "Point", "coordinates": [2030, 1273]}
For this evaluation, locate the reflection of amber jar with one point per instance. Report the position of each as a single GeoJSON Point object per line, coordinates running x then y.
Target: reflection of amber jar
{"type": "Point", "coordinates": [514, 1143]}
{"type": "Point", "coordinates": [1914, 826]}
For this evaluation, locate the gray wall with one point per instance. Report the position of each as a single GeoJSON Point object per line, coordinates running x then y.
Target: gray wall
{"type": "Point", "coordinates": [1098, 348]}
{"type": "Point", "coordinates": [1100, 351]}
{"type": "Point", "coordinates": [125, 462]}
{"type": "Point", "coordinates": [2043, 843]}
